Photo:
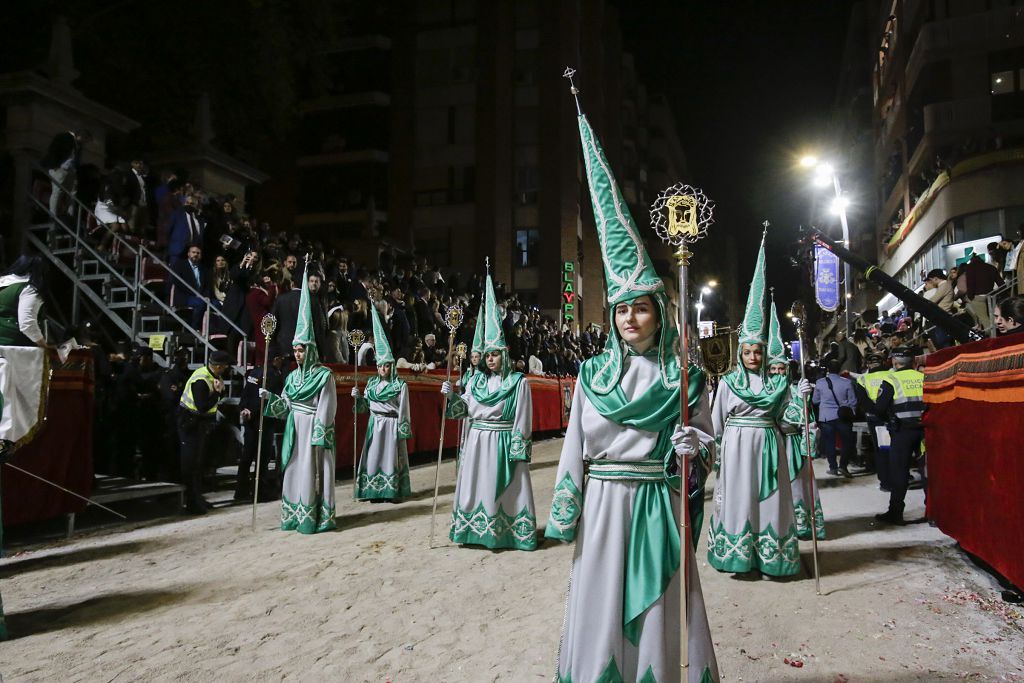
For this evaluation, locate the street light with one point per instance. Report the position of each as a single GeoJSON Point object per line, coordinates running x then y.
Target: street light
{"type": "Point", "coordinates": [825, 173]}
{"type": "Point", "coordinates": [705, 289]}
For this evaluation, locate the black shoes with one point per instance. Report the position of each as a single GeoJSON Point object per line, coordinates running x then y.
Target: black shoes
{"type": "Point", "coordinates": [845, 472]}
{"type": "Point", "coordinates": [891, 518]}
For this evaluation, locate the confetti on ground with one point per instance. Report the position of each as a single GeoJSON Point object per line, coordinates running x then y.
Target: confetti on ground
{"type": "Point", "coordinates": [1010, 615]}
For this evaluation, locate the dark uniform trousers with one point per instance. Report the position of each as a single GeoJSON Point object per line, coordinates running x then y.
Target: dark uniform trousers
{"type": "Point", "coordinates": [193, 431]}
{"type": "Point", "coordinates": [250, 442]}
{"type": "Point", "coordinates": [905, 442]}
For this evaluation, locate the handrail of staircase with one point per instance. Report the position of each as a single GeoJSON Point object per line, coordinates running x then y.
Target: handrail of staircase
{"type": "Point", "coordinates": [137, 252]}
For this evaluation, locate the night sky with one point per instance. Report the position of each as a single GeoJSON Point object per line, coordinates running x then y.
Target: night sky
{"type": "Point", "coordinates": [752, 85]}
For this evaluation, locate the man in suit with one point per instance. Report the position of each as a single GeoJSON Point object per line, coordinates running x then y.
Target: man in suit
{"type": "Point", "coordinates": [286, 310]}
{"type": "Point", "coordinates": [169, 203]}
{"type": "Point", "coordinates": [191, 271]}
{"type": "Point", "coordinates": [61, 161]}
{"type": "Point", "coordinates": [424, 315]}
{"type": "Point", "coordinates": [186, 228]}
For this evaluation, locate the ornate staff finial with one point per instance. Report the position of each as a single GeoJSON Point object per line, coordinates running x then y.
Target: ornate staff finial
{"type": "Point", "coordinates": [766, 224]}
{"type": "Point", "coordinates": [309, 256]}
{"type": "Point", "coordinates": [487, 264]}
{"type": "Point", "coordinates": [569, 73]}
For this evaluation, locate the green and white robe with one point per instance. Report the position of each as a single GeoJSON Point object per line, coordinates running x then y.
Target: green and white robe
{"type": "Point", "coordinates": [792, 427]}
{"type": "Point", "coordinates": [493, 492]}
{"type": "Point", "coordinates": [752, 524]}
{"type": "Point", "coordinates": [309, 405]}
{"type": "Point", "coordinates": [621, 619]}
{"type": "Point", "coordinates": [384, 463]}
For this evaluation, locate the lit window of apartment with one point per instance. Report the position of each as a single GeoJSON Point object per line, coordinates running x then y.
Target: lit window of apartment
{"type": "Point", "coordinates": [527, 246]}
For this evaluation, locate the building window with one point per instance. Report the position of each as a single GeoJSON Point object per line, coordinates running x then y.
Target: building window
{"type": "Point", "coordinates": [527, 244]}
{"type": "Point", "coordinates": [526, 184]}
{"type": "Point", "coordinates": [1002, 82]}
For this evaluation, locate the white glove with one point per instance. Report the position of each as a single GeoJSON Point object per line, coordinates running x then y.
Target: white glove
{"type": "Point", "coordinates": [355, 392]}
{"type": "Point", "coordinates": [266, 395]}
{"type": "Point", "coordinates": [686, 442]}
{"type": "Point", "coordinates": [805, 388]}
{"type": "Point", "coordinates": [446, 388]}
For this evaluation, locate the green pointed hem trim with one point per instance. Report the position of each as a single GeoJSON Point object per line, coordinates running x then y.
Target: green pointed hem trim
{"type": "Point", "coordinates": [611, 675]}
{"type": "Point", "coordinates": [457, 408]}
{"type": "Point", "coordinates": [766, 551]}
{"type": "Point", "coordinates": [306, 519]}
{"type": "Point", "coordinates": [803, 530]}
{"type": "Point", "coordinates": [566, 508]}
{"type": "Point", "coordinates": [383, 486]}
{"type": "Point", "coordinates": [498, 531]}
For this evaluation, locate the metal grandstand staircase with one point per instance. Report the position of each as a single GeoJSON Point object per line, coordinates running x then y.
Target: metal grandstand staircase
{"type": "Point", "coordinates": [128, 285]}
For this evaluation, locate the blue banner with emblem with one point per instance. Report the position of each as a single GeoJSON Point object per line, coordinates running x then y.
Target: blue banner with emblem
{"type": "Point", "coordinates": [826, 279]}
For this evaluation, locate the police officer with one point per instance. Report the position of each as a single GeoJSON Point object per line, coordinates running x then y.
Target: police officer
{"type": "Point", "coordinates": [249, 411]}
{"type": "Point", "coordinates": [871, 382]}
{"type": "Point", "coordinates": [901, 404]}
{"type": "Point", "coordinates": [197, 415]}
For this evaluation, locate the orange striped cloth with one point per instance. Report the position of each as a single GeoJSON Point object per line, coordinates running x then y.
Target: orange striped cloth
{"type": "Point", "coordinates": [989, 371]}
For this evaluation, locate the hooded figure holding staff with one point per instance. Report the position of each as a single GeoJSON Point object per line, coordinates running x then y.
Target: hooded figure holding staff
{"type": "Point", "coordinates": [493, 492]}
{"type": "Point", "coordinates": [384, 463]}
{"type": "Point", "coordinates": [752, 526]}
{"type": "Point", "coordinates": [308, 406]}
{"type": "Point", "coordinates": [617, 491]}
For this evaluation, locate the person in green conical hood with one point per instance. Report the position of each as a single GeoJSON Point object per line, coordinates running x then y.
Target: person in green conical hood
{"type": "Point", "coordinates": [383, 472]}
{"type": "Point", "coordinates": [792, 425]}
{"type": "Point", "coordinates": [752, 527]}
{"type": "Point", "coordinates": [308, 405]}
{"type": "Point", "coordinates": [493, 493]}
{"type": "Point", "coordinates": [624, 422]}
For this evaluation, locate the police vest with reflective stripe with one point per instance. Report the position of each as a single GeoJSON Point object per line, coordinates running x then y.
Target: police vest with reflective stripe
{"type": "Point", "coordinates": [872, 382]}
{"type": "Point", "coordinates": [188, 401]}
{"type": "Point", "coordinates": [908, 397]}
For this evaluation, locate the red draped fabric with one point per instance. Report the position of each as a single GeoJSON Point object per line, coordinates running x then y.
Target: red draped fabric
{"type": "Point", "coordinates": [973, 433]}
{"type": "Point", "coordinates": [551, 398]}
{"type": "Point", "coordinates": [61, 452]}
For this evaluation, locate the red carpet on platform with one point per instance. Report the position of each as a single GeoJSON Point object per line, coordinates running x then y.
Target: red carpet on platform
{"type": "Point", "coordinates": [974, 436]}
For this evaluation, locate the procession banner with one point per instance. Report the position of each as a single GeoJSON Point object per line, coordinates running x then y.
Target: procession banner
{"type": "Point", "coordinates": [826, 279]}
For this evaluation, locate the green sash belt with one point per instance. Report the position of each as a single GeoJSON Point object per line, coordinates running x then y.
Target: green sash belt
{"type": "Point", "coordinates": [652, 555]}
{"type": "Point", "coordinates": [769, 451]}
{"type": "Point", "coordinates": [492, 425]}
{"type": "Point", "coordinates": [621, 470]}
{"type": "Point", "coordinates": [303, 408]}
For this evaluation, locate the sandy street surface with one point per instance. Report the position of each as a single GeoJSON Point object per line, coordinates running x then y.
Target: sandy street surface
{"type": "Point", "coordinates": [206, 599]}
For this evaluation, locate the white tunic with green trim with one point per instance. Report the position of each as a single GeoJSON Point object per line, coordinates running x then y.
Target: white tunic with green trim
{"type": "Point", "coordinates": [802, 476]}
{"type": "Point", "coordinates": [598, 514]}
{"type": "Point", "coordinates": [307, 488]}
{"type": "Point", "coordinates": [494, 496]}
{"type": "Point", "coordinates": [752, 525]}
{"type": "Point", "coordinates": [384, 463]}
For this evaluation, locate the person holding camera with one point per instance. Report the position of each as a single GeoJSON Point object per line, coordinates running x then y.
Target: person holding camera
{"type": "Point", "coordinates": [836, 404]}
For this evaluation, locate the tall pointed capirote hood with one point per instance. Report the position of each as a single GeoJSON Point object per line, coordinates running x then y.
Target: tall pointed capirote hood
{"type": "Point", "coordinates": [304, 333]}
{"type": "Point", "coordinates": [628, 270]}
{"type": "Point", "coordinates": [776, 352]}
{"type": "Point", "coordinates": [753, 328]}
{"type": "Point", "coordinates": [381, 347]}
{"type": "Point", "coordinates": [494, 335]}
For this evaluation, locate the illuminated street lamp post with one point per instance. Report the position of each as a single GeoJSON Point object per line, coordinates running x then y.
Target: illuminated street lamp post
{"type": "Point", "coordinates": [705, 289]}
{"type": "Point", "coordinates": [825, 174]}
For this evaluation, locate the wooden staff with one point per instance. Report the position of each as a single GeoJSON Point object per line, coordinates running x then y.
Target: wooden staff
{"type": "Point", "coordinates": [680, 216]}
{"type": "Point", "coordinates": [356, 339]}
{"type": "Point", "coordinates": [797, 310]}
{"type": "Point", "coordinates": [267, 326]}
{"type": "Point", "coordinates": [452, 319]}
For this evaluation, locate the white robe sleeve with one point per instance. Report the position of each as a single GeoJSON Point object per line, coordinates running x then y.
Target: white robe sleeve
{"type": "Point", "coordinates": [29, 303]}
{"type": "Point", "coordinates": [323, 421]}
{"type": "Point", "coordinates": [404, 414]}
{"type": "Point", "coordinates": [567, 502]}
{"type": "Point", "coordinates": [522, 423]}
